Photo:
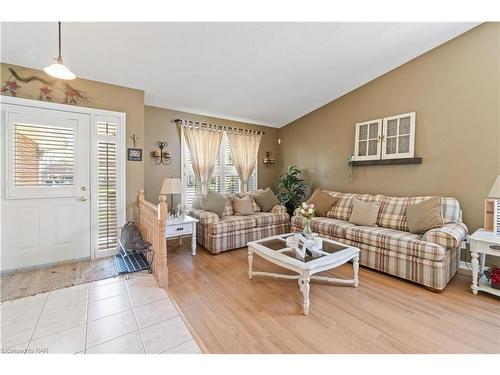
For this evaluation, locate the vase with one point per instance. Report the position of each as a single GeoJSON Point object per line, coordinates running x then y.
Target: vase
{"type": "Point", "coordinates": [307, 228]}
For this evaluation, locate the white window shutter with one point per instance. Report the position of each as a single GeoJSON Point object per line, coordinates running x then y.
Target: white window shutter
{"type": "Point", "coordinates": [399, 136]}
{"type": "Point", "coordinates": [367, 140]}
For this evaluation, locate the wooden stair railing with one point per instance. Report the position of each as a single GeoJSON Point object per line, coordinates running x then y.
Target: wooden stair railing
{"type": "Point", "coordinates": [153, 227]}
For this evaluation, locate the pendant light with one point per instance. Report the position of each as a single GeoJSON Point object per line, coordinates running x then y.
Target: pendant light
{"type": "Point", "coordinates": [58, 70]}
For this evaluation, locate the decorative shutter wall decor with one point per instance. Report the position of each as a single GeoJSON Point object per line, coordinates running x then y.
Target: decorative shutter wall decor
{"type": "Point", "coordinates": [107, 196]}
{"type": "Point", "coordinates": [399, 136]}
{"type": "Point", "coordinates": [367, 142]}
{"type": "Point", "coordinates": [43, 155]}
{"type": "Point", "coordinates": [385, 139]}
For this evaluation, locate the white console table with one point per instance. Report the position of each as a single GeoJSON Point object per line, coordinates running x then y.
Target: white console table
{"type": "Point", "coordinates": [179, 227]}
{"type": "Point", "coordinates": [482, 243]}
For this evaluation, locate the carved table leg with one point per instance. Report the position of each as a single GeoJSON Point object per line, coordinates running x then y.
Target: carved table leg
{"type": "Point", "coordinates": [250, 262]}
{"type": "Point", "coordinates": [475, 271]}
{"type": "Point", "coordinates": [355, 267]}
{"type": "Point", "coordinates": [193, 241]}
{"type": "Point", "coordinates": [304, 288]}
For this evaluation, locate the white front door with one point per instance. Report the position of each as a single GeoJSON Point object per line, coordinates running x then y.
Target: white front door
{"type": "Point", "coordinates": [45, 186]}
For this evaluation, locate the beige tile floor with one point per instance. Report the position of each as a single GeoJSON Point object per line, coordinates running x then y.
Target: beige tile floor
{"type": "Point", "coordinates": [117, 315]}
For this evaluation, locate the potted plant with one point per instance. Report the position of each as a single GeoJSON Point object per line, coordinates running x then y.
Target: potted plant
{"type": "Point", "coordinates": [292, 188]}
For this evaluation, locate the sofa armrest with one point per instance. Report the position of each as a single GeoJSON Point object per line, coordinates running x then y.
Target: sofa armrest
{"type": "Point", "coordinates": [204, 217]}
{"type": "Point", "coordinates": [449, 236]}
{"type": "Point", "coordinates": [279, 209]}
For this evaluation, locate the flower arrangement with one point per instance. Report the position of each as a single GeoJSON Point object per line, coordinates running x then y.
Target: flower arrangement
{"type": "Point", "coordinates": [493, 275]}
{"type": "Point", "coordinates": [307, 212]}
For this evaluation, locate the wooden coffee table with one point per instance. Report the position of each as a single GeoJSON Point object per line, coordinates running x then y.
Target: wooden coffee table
{"type": "Point", "coordinates": [275, 250]}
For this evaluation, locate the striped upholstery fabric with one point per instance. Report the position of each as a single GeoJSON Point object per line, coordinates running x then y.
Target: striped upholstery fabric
{"type": "Point", "coordinates": [231, 232]}
{"type": "Point", "coordinates": [268, 218]}
{"type": "Point", "coordinates": [231, 224]}
{"type": "Point", "coordinates": [450, 210]}
{"type": "Point", "coordinates": [397, 241]}
{"type": "Point", "coordinates": [332, 227]}
{"type": "Point", "coordinates": [449, 236]}
{"type": "Point", "coordinates": [279, 209]}
{"type": "Point", "coordinates": [228, 209]}
{"type": "Point", "coordinates": [342, 208]}
{"type": "Point", "coordinates": [392, 212]}
{"type": "Point", "coordinates": [217, 243]}
{"type": "Point", "coordinates": [433, 274]}
{"type": "Point", "coordinates": [204, 217]}
{"type": "Point", "coordinates": [431, 259]}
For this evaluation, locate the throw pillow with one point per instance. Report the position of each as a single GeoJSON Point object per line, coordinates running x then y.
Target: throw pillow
{"type": "Point", "coordinates": [364, 213]}
{"type": "Point", "coordinates": [266, 199]}
{"type": "Point", "coordinates": [214, 202]}
{"type": "Point", "coordinates": [322, 202]}
{"type": "Point", "coordinates": [424, 216]}
{"type": "Point", "coordinates": [243, 206]}
{"type": "Point", "coordinates": [256, 207]}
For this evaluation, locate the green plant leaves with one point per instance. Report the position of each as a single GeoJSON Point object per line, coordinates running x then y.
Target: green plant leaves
{"type": "Point", "coordinates": [292, 188]}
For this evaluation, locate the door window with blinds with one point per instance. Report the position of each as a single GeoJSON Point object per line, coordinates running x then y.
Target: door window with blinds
{"type": "Point", "coordinates": [225, 178]}
{"type": "Point", "coordinates": [106, 189]}
{"type": "Point", "coordinates": [42, 156]}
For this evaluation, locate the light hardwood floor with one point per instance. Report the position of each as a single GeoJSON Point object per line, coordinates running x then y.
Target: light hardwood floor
{"type": "Point", "coordinates": [229, 313]}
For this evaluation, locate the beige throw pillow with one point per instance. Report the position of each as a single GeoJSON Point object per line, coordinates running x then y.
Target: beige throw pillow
{"type": "Point", "coordinates": [243, 206]}
{"type": "Point", "coordinates": [424, 216]}
{"type": "Point", "coordinates": [214, 202]}
{"type": "Point", "coordinates": [266, 199]}
{"type": "Point", "coordinates": [364, 213]}
{"type": "Point", "coordinates": [322, 202]}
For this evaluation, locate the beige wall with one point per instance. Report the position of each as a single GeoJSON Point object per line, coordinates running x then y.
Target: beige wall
{"type": "Point", "coordinates": [102, 96]}
{"type": "Point", "coordinates": [160, 126]}
{"type": "Point", "coordinates": [454, 90]}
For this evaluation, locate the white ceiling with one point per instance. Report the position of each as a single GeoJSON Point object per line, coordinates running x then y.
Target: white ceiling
{"type": "Point", "coordinates": [265, 73]}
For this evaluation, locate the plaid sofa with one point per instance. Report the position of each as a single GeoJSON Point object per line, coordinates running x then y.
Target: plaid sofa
{"type": "Point", "coordinates": [218, 234]}
{"type": "Point", "coordinates": [431, 259]}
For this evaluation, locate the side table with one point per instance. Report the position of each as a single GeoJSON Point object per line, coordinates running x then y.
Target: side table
{"type": "Point", "coordinates": [482, 243]}
{"type": "Point", "coordinates": [179, 227]}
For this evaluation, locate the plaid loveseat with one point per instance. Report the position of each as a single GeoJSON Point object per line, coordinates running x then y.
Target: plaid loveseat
{"type": "Point", "coordinates": [218, 234]}
{"type": "Point", "coordinates": [431, 259]}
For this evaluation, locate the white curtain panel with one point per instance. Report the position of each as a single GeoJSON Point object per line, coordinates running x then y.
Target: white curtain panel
{"type": "Point", "coordinates": [204, 146]}
{"type": "Point", "coordinates": [245, 149]}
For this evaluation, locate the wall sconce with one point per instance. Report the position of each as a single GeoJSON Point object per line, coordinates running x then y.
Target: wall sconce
{"type": "Point", "coordinates": [160, 156]}
{"type": "Point", "coordinates": [268, 160]}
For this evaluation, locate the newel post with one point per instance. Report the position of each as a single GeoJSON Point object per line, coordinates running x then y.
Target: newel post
{"type": "Point", "coordinates": [140, 200]}
{"type": "Point", "coordinates": [161, 270]}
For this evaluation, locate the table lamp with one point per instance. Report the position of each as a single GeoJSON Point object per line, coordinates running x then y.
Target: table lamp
{"type": "Point", "coordinates": [492, 208]}
{"type": "Point", "coordinates": [171, 186]}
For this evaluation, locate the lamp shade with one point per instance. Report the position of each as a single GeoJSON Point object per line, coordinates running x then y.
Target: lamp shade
{"type": "Point", "coordinates": [171, 185]}
{"type": "Point", "coordinates": [495, 189]}
{"type": "Point", "coordinates": [58, 70]}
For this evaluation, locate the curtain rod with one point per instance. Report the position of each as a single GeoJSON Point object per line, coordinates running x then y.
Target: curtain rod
{"type": "Point", "coordinates": [223, 127]}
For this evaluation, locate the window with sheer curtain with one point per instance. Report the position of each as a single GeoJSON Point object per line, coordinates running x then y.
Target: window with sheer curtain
{"type": "Point", "coordinates": [225, 178]}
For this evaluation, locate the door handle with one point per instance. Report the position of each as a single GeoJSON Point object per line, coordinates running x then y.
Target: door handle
{"type": "Point", "coordinates": [83, 198]}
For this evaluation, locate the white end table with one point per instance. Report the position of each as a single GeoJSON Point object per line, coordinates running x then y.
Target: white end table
{"type": "Point", "coordinates": [179, 227]}
{"type": "Point", "coordinates": [482, 243]}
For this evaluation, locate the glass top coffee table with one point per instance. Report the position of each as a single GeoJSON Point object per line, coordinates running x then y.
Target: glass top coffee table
{"type": "Point", "coordinates": [275, 250]}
